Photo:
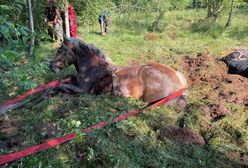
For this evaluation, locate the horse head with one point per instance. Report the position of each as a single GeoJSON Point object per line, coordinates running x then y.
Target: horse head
{"type": "Point", "coordinates": [65, 55]}
{"type": "Point", "coordinates": [75, 51]}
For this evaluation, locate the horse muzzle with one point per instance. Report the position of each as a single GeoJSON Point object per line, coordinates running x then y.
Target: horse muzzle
{"type": "Point", "coordinates": [53, 68]}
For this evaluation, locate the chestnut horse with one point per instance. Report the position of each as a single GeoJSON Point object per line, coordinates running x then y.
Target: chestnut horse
{"type": "Point", "coordinates": [96, 74]}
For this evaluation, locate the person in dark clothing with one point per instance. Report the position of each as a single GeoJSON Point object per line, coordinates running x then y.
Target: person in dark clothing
{"type": "Point", "coordinates": [50, 13]}
{"type": "Point", "coordinates": [104, 21]}
{"type": "Point", "coordinates": [54, 21]}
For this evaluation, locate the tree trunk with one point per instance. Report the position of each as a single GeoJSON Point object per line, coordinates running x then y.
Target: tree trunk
{"type": "Point", "coordinates": [31, 27]}
{"type": "Point", "coordinates": [122, 3]}
{"type": "Point", "coordinates": [67, 26]}
{"type": "Point", "coordinates": [214, 8]}
{"type": "Point", "coordinates": [230, 15]}
{"type": "Point", "coordinates": [209, 8]}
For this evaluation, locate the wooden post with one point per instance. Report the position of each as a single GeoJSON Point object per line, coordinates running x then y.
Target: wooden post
{"type": "Point", "coordinates": [67, 26]}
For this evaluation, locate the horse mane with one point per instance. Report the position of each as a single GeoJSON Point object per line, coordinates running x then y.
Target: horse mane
{"type": "Point", "coordinates": [81, 45]}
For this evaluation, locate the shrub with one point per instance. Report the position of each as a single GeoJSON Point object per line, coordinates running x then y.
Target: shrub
{"type": "Point", "coordinates": [208, 27]}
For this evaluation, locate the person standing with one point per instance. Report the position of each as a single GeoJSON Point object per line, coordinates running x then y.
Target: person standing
{"type": "Point", "coordinates": [104, 21]}
{"type": "Point", "coordinates": [50, 13]}
{"type": "Point", "coordinates": [58, 26]}
{"type": "Point", "coordinates": [54, 21]}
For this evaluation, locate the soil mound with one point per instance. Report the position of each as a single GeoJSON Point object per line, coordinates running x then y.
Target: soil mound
{"type": "Point", "coordinates": [182, 135]}
{"type": "Point", "coordinates": [209, 76]}
{"type": "Point", "coordinates": [151, 36]}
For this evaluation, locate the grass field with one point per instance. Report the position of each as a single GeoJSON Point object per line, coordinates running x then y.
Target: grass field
{"type": "Point", "coordinates": [144, 140]}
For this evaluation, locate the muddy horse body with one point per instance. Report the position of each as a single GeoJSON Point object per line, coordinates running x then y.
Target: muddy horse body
{"type": "Point", "coordinates": [96, 74]}
{"type": "Point", "coordinates": [149, 82]}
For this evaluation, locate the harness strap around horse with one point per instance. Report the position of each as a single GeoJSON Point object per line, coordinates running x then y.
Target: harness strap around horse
{"type": "Point", "coordinates": [54, 142]}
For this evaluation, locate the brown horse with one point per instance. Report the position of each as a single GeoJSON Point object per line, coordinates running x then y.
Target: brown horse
{"type": "Point", "coordinates": [96, 74]}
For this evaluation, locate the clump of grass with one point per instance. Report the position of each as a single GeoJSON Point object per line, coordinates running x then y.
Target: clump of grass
{"type": "Point", "coordinates": [208, 27]}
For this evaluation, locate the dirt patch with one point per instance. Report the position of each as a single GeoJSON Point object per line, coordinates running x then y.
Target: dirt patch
{"type": "Point", "coordinates": [182, 135]}
{"type": "Point", "coordinates": [205, 72]}
{"type": "Point", "coordinates": [151, 36]}
{"type": "Point", "coordinates": [244, 158]}
{"type": "Point", "coordinates": [8, 128]}
{"type": "Point", "coordinates": [8, 132]}
{"type": "Point", "coordinates": [47, 129]}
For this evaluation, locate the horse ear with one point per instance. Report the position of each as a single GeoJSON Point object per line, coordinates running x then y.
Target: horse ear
{"type": "Point", "coordinates": [72, 45]}
{"type": "Point", "coordinates": [67, 42]}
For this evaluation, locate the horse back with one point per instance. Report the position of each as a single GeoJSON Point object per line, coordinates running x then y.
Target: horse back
{"type": "Point", "coordinates": [160, 81]}
{"type": "Point", "coordinates": [128, 83]}
{"type": "Point", "coordinates": [150, 82]}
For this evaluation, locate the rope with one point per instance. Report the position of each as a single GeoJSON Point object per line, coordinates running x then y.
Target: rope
{"type": "Point", "coordinates": [31, 92]}
{"type": "Point", "coordinates": [54, 142]}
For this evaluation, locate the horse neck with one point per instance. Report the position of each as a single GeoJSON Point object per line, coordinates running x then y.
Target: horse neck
{"type": "Point", "coordinates": [82, 64]}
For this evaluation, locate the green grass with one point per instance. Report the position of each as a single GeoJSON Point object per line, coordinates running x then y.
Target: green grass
{"type": "Point", "coordinates": [135, 142]}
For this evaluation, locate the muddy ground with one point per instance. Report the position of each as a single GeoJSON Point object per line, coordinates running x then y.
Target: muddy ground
{"type": "Point", "coordinates": [209, 78]}
{"type": "Point", "coordinates": [205, 71]}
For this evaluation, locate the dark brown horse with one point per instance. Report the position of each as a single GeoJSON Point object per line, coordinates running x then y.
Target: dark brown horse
{"type": "Point", "coordinates": [96, 74]}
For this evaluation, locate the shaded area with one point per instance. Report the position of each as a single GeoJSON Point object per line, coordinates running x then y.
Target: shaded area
{"type": "Point", "coordinates": [182, 135]}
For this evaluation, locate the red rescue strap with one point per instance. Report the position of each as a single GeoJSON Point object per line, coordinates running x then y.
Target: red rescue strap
{"type": "Point", "coordinates": [54, 142]}
{"type": "Point", "coordinates": [38, 89]}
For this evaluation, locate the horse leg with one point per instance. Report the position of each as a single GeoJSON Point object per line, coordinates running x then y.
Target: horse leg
{"type": "Point", "coordinates": [71, 79]}
{"type": "Point", "coordinates": [70, 88]}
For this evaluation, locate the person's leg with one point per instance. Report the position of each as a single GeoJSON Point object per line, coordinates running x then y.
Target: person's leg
{"type": "Point", "coordinates": [106, 28]}
{"type": "Point", "coordinates": [100, 24]}
{"type": "Point", "coordinates": [50, 29]}
{"type": "Point", "coordinates": [59, 31]}
{"type": "Point", "coordinates": [102, 28]}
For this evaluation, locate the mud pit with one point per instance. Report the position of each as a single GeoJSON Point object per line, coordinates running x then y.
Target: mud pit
{"type": "Point", "coordinates": [213, 90]}
{"type": "Point", "coordinates": [210, 78]}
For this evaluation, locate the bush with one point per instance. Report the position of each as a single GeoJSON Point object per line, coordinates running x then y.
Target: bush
{"type": "Point", "coordinates": [88, 11]}
{"type": "Point", "coordinates": [208, 27]}
{"type": "Point", "coordinates": [180, 4]}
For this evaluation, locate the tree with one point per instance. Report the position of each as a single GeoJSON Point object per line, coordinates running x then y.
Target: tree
{"type": "Point", "coordinates": [196, 3]}
{"type": "Point", "coordinates": [31, 27]}
{"type": "Point", "coordinates": [214, 8]}
{"type": "Point", "coordinates": [230, 15]}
